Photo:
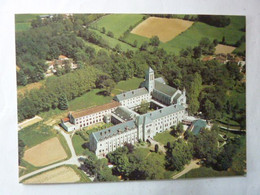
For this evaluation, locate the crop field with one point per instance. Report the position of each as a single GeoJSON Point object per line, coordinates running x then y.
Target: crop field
{"type": "Point", "coordinates": [225, 49]}
{"type": "Point", "coordinates": [166, 29]}
{"type": "Point", "coordinates": [62, 174]}
{"type": "Point", "coordinates": [117, 23]}
{"type": "Point", "coordinates": [44, 153]}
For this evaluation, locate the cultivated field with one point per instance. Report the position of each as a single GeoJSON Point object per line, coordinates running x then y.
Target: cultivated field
{"type": "Point", "coordinates": [60, 175]}
{"type": "Point", "coordinates": [45, 153]}
{"type": "Point", "coordinates": [166, 29]}
{"type": "Point", "coordinates": [225, 49]}
{"type": "Point", "coordinates": [29, 122]}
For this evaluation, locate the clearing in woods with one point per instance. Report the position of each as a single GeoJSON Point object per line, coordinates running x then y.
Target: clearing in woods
{"type": "Point", "coordinates": [62, 174]}
{"type": "Point", "coordinates": [225, 49]}
{"type": "Point", "coordinates": [44, 153]}
{"type": "Point", "coordinates": [165, 28]}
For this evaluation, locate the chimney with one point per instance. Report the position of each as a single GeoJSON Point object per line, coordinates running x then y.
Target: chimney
{"type": "Point", "coordinates": [124, 94]}
{"type": "Point", "coordinates": [160, 111]}
{"type": "Point", "coordinates": [133, 92]}
{"type": "Point", "coordinates": [101, 133]}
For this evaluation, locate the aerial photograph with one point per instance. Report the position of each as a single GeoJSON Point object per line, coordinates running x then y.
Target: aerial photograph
{"type": "Point", "coordinates": [126, 97]}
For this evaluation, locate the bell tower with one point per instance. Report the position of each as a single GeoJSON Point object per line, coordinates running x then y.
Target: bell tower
{"type": "Point", "coordinates": [149, 80]}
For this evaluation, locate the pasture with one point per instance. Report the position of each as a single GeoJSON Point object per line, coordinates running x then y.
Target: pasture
{"type": "Point", "coordinates": [165, 28]}
{"type": "Point", "coordinates": [63, 174]}
{"type": "Point", "coordinates": [44, 153]}
{"type": "Point", "coordinates": [35, 134]}
{"type": "Point", "coordinates": [21, 90]}
{"type": "Point", "coordinates": [117, 23]}
{"type": "Point", "coordinates": [225, 49]}
{"type": "Point", "coordinates": [112, 42]}
{"type": "Point", "coordinates": [23, 21]}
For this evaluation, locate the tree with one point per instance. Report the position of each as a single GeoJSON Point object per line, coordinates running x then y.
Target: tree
{"type": "Point", "coordinates": [209, 109]}
{"type": "Point", "coordinates": [223, 40]}
{"type": "Point", "coordinates": [118, 48]}
{"type": "Point", "coordinates": [63, 102]}
{"type": "Point", "coordinates": [144, 107]}
{"type": "Point", "coordinates": [215, 42]}
{"type": "Point", "coordinates": [205, 146]}
{"type": "Point", "coordinates": [110, 34]}
{"type": "Point", "coordinates": [108, 85]}
{"type": "Point", "coordinates": [135, 43]}
{"type": "Point", "coordinates": [156, 148]}
{"type": "Point", "coordinates": [197, 52]}
{"type": "Point", "coordinates": [180, 128]}
{"type": "Point", "coordinates": [103, 30]}
{"type": "Point", "coordinates": [21, 146]}
{"type": "Point", "coordinates": [179, 155]}
{"type": "Point", "coordinates": [168, 145]}
{"type": "Point", "coordinates": [21, 78]}
{"type": "Point", "coordinates": [144, 46]}
{"type": "Point", "coordinates": [155, 41]}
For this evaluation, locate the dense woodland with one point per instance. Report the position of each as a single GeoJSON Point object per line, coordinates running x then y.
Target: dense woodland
{"type": "Point", "coordinates": [208, 84]}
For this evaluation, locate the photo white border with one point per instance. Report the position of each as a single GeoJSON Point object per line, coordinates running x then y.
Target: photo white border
{"type": "Point", "coordinates": [8, 119]}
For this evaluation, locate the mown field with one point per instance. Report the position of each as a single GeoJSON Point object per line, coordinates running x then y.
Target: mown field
{"type": "Point", "coordinates": [127, 85]}
{"type": "Point", "coordinates": [117, 23]}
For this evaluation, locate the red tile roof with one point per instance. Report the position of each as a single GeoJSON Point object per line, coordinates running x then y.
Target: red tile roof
{"type": "Point", "coordinates": [65, 120]}
{"type": "Point", "coordinates": [95, 109]}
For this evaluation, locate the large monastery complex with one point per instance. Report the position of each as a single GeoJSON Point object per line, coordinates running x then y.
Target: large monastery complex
{"type": "Point", "coordinates": [169, 108]}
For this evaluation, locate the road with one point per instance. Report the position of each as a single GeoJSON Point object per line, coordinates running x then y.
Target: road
{"type": "Point", "coordinates": [187, 168]}
{"type": "Point", "coordinates": [72, 161]}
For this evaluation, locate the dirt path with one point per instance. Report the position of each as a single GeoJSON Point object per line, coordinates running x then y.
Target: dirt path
{"type": "Point", "coordinates": [187, 168]}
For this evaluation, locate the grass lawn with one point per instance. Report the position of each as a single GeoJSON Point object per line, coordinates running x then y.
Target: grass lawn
{"type": "Point", "coordinates": [89, 99]}
{"type": "Point", "coordinates": [112, 42]}
{"type": "Point", "coordinates": [117, 23]}
{"type": "Point", "coordinates": [164, 137]}
{"type": "Point", "coordinates": [36, 134]}
{"type": "Point", "coordinates": [127, 85]}
{"type": "Point", "coordinates": [77, 142]}
{"type": "Point", "coordinates": [206, 172]}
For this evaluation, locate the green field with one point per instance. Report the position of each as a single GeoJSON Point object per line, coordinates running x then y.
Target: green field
{"type": "Point", "coordinates": [77, 142]}
{"type": "Point", "coordinates": [112, 42]}
{"type": "Point", "coordinates": [127, 85]}
{"type": "Point", "coordinates": [164, 137]}
{"type": "Point", "coordinates": [36, 134]}
{"type": "Point", "coordinates": [117, 23]}
{"type": "Point", "coordinates": [23, 21]}
{"type": "Point", "coordinates": [89, 99]}
{"type": "Point", "coordinates": [196, 32]}
{"type": "Point", "coordinates": [206, 172]}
